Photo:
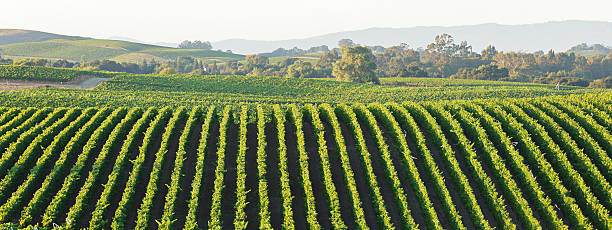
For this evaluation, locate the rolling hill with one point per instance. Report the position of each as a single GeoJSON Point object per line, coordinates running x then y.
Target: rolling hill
{"type": "Point", "coordinates": [558, 36]}
{"type": "Point", "coordinates": [12, 36]}
{"type": "Point", "coordinates": [33, 44]}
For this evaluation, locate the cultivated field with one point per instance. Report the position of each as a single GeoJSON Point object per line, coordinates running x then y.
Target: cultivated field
{"type": "Point", "coordinates": [180, 90]}
{"type": "Point", "coordinates": [505, 164]}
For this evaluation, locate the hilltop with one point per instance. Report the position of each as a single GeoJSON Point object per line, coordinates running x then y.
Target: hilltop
{"type": "Point", "coordinates": [12, 36]}
{"type": "Point", "coordinates": [34, 44]}
{"type": "Point", "coordinates": [558, 36]}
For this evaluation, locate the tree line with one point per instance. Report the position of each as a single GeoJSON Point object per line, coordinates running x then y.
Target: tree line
{"type": "Point", "coordinates": [443, 58]}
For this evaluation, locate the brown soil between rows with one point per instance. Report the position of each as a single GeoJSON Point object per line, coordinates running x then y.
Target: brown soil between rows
{"type": "Point", "coordinates": [123, 179]}
{"type": "Point", "coordinates": [386, 188]}
{"type": "Point", "coordinates": [338, 177]}
{"type": "Point", "coordinates": [157, 208]}
{"type": "Point", "coordinates": [71, 197]}
{"type": "Point", "coordinates": [273, 175]}
{"type": "Point", "coordinates": [188, 173]}
{"type": "Point", "coordinates": [208, 180]}
{"type": "Point", "coordinates": [228, 199]}
{"type": "Point", "coordinates": [360, 175]}
{"type": "Point", "coordinates": [316, 175]}
{"type": "Point", "coordinates": [295, 178]}
{"type": "Point", "coordinates": [97, 190]}
{"type": "Point", "coordinates": [252, 186]}
{"type": "Point", "coordinates": [463, 165]}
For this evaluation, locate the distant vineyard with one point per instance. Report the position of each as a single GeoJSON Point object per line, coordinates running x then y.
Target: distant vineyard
{"type": "Point", "coordinates": [35, 73]}
{"type": "Point", "coordinates": [189, 91]}
{"type": "Point", "coordinates": [505, 164]}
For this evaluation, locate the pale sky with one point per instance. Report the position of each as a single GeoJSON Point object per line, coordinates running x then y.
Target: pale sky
{"type": "Point", "coordinates": [177, 20]}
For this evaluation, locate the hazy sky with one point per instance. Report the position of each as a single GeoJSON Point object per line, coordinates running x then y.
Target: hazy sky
{"type": "Point", "coordinates": [177, 20]}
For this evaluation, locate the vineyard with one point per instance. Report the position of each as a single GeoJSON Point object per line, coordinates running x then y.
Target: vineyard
{"type": "Point", "coordinates": [189, 91]}
{"type": "Point", "coordinates": [36, 73]}
{"type": "Point", "coordinates": [540, 163]}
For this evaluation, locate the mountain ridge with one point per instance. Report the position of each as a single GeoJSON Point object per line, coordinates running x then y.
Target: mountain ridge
{"type": "Point", "coordinates": [552, 35]}
{"type": "Point", "coordinates": [531, 37]}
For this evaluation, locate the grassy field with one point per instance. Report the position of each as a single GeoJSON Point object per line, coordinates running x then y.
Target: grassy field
{"type": "Point", "coordinates": [96, 49]}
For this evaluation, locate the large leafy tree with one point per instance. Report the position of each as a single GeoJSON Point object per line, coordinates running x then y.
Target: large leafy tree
{"type": "Point", "coordinates": [602, 83]}
{"type": "Point", "coordinates": [399, 61]}
{"type": "Point", "coordinates": [195, 45]}
{"type": "Point", "coordinates": [356, 65]}
{"type": "Point", "coordinates": [257, 61]}
{"type": "Point", "coordinates": [345, 42]}
{"type": "Point", "coordinates": [300, 69]}
{"type": "Point", "coordinates": [489, 52]}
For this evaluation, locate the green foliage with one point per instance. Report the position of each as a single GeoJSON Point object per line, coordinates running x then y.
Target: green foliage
{"type": "Point", "coordinates": [36, 73]}
{"type": "Point", "coordinates": [483, 72]}
{"type": "Point", "coordinates": [602, 83]}
{"type": "Point", "coordinates": [300, 69]}
{"type": "Point", "coordinates": [535, 163]}
{"type": "Point", "coordinates": [357, 64]}
{"type": "Point", "coordinates": [144, 212]}
{"type": "Point", "coordinates": [99, 49]}
{"type": "Point", "coordinates": [215, 221]}
{"type": "Point", "coordinates": [296, 117]}
{"type": "Point", "coordinates": [399, 61]}
{"type": "Point", "coordinates": [178, 90]}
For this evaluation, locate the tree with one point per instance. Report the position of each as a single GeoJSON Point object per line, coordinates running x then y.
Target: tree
{"type": "Point", "coordinates": [318, 49]}
{"type": "Point", "coordinates": [257, 61]}
{"type": "Point", "coordinates": [168, 71]}
{"type": "Point", "coordinates": [443, 44]}
{"type": "Point", "coordinates": [287, 62]}
{"type": "Point", "coordinates": [484, 72]}
{"type": "Point", "coordinates": [346, 42]}
{"type": "Point", "coordinates": [300, 69]}
{"type": "Point", "coordinates": [489, 52]}
{"type": "Point", "coordinates": [396, 60]}
{"type": "Point", "coordinates": [195, 45]}
{"type": "Point", "coordinates": [356, 65]}
{"type": "Point", "coordinates": [602, 83]}
{"type": "Point", "coordinates": [62, 64]}
{"type": "Point", "coordinates": [213, 69]}
{"type": "Point", "coordinates": [32, 62]}
{"type": "Point", "coordinates": [328, 59]}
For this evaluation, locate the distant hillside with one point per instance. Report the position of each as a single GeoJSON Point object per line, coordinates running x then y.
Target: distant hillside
{"type": "Point", "coordinates": [592, 50]}
{"type": "Point", "coordinates": [558, 36]}
{"type": "Point", "coordinates": [10, 36]}
{"type": "Point", "coordinates": [78, 48]}
{"type": "Point", "coordinates": [127, 39]}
